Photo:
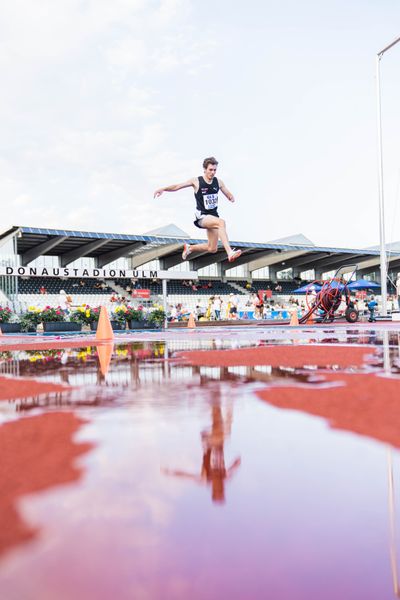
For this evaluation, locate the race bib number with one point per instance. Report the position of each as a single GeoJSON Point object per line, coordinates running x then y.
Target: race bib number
{"type": "Point", "coordinates": [210, 201]}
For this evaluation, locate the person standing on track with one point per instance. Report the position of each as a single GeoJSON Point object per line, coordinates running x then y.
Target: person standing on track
{"type": "Point", "coordinates": [206, 188]}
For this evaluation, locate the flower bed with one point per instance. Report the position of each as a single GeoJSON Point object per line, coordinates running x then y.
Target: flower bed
{"type": "Point", "coordinates": [5, 314]}
{"type": "Point", "coordinates": [51, 315]}
{"type": "Point", "coordinates": [157, 318]}
{"type": "Point", "coordinates": [86, 315]}
{"type": "Point", "coordinates": [30, 319]}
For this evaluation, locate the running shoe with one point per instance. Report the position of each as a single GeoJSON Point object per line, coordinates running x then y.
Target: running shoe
{"type": "Point", "coordinates": [234, 255]}
{"type": "Point", "coordinates": [186, 251]}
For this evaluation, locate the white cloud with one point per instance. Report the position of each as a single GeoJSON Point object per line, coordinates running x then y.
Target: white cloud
{"type": "Point", "coordinates": [105, 101]}
{"type": "Point", "coordinates": [129, 54]}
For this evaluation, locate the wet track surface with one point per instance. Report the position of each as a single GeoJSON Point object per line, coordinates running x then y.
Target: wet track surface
{"type": "Point", "coordinates": [218, 464]}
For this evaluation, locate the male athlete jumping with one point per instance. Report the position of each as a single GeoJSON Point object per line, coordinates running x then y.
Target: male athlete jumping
{"type": "Point", "coordinates": [206, 190]}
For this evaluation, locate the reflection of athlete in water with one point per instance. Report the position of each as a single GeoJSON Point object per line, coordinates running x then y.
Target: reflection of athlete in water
{"type": "Point", "coordinates": [214, 472]}
{"type": "Point", "coordinates": [206, 190]}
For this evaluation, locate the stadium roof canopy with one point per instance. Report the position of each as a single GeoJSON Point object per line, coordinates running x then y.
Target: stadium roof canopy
{"type": "Point", "coordinates": [32, 242]}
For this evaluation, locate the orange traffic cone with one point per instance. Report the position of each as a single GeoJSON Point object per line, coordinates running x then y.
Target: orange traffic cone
{"type": "Point", "coordinates": [104, 352]}
{"type": "Point", "coordinates": [104, 330]}
{"type": "Point", "coordinates": [311, 319]}
{"type": "Point", "coordinates": [191, 322]}
{"type": "Point", "coordinates": [294, 319]}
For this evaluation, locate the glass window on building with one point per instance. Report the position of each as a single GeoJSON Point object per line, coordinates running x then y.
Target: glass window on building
{"type": "Point", "coordinates": [308, 275]}
{"type": "Point", "coordinates": [285, 274]}
{"type": "Point", "coordinates": [262, 273]}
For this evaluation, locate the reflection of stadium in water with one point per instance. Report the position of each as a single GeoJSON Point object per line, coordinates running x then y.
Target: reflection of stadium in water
{"type": "Point", "coordinates": [132, 366]}
{"type": "Point", "coordinates": [151, 364]}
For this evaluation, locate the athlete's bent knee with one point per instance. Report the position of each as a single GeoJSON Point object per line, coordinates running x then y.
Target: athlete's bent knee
{"type": "Point", "coordinates": [212, 249]}
{"type": "Point", "coordinates": [221, 223]}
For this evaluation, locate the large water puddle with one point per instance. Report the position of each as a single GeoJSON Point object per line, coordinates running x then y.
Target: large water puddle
{"type": "Point", "coordinates": [201, 467]}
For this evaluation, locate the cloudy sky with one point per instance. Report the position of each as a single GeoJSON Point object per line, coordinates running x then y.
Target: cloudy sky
{"type": "Point", "coordinates": [102, 102]}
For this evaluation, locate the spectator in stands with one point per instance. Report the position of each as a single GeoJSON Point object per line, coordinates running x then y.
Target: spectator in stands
{"type": "Point", "coordinates": [97, 285]}
{"type": "Point", "coordinates": [114, 297]}
{"type": "Point", "coordinates": [217, 307]}
{"type": "Point", "coordinates": [233, 304]}
{"type": "Point", "coordinates": [173, 313]}
{"type": "Point", "coordinates": [259, 307]}
{"type": "Point", "coordinates": [198, 312]}
{"type": "Point", "coordinates": [372, 305]}
{"type": "Point", "coordinates": [209, 311]}
{"type": "Point", "coordinates": [254, 302]}
{"type": "Point", "coordinates": [392, 304]}
{"type": "Point", "coordinates": [82, 283]}
{"type": "Point", "coordinates": [248, 285]}
{"type": "Point", "coordinates": [278, 288]}
{"type": "Point", "coordinates": [42, 290]}
{"type": "Point", "coordinates": [64, 301]}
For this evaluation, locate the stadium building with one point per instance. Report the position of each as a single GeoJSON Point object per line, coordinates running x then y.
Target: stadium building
{"type": "Point", "coordinates": [92, 265]}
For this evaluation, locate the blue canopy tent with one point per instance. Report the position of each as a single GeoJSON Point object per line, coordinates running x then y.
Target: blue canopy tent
{"type": "Point", "coordinates": [336, 284]}
{"type": "Point", "coordinates": [363, 284]}
{"type": "Point", "coordinates": [303, 289]}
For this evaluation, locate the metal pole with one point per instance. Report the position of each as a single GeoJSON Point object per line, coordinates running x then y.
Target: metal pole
{"type": "Point", "coordinates": [380, 179]}
{"type": "Point", "coordinates": [380, 184]}
{"type": "Point", "coordinates": [164, 291]}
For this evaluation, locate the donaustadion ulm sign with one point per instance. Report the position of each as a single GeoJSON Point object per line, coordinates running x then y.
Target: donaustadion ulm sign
{"type": "Point", "coordinates": [67, 273]}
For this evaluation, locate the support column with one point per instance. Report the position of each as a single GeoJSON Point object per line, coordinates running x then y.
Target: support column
{"type": "Point", "coordinates": [317, 274]}
{"type": "Point", "coordinates": [273, 273]}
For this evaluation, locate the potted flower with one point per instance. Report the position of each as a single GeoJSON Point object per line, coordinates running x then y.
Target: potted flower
{"type": "Point", "coordinates": [5, 315]}
{"type": "Point", "coordinates": [86, 315]}
{"type": "Point", "coordinates": [134, 317]}
{"type": "Point", "coordinates": [117, 319]}
{"type": "Point", "coordinates": [54, 319]}
{"type": "Point", "coordinates": [157, 318]}
{"type": "Point", "coordinates": [30, 319]}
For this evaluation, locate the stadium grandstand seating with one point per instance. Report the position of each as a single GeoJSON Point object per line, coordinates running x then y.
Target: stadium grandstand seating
{"type": "Point", "coordinates": [288, 286]}
{"type": "Point", "coordinates": [194, 298]}
{"type": "Point", "coordinates": [53, 285]}
{"type": "Point", "coordinates": [73, 287]}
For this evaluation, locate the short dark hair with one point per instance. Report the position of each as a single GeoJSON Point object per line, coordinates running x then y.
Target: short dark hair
{"type": "Point", "coordinates": [209, 161]}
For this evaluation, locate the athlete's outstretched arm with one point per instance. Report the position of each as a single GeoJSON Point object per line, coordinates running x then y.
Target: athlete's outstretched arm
{"type": "Point", "coordinates": [225, 191]}
{"type": "Point", "coordinates": [175, 187]}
